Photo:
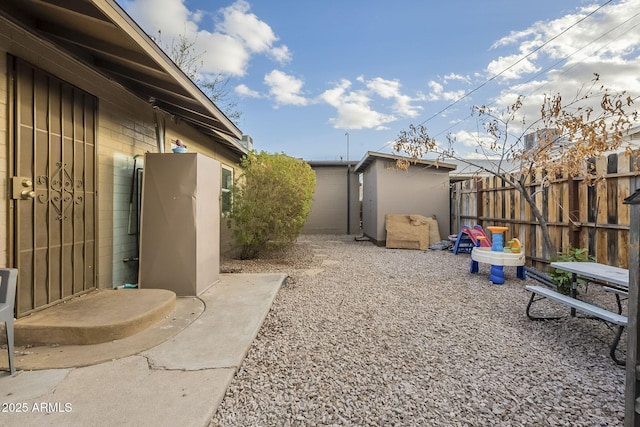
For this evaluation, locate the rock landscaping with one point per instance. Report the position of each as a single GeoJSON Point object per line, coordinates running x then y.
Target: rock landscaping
{"type": "Point", "coordinates": [364, 335]}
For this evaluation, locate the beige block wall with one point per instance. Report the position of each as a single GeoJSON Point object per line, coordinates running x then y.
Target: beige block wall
{"type": "Point", "coordinates": [126, 127]}
{"type": "Point", "coordinates": [122, 133]}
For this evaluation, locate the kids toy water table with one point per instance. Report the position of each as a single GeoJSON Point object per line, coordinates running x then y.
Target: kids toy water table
{"type": "Point", "coordinates": [498, 256]}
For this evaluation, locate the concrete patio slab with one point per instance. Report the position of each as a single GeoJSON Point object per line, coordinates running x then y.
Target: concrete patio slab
{"type": "Point", "coordinates": [180, 382]}
{"type": "Point", "coordinates": [221, 336]}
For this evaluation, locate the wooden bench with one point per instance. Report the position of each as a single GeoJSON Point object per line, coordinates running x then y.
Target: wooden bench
{"type": "Point", "coordinates": [582, 306]}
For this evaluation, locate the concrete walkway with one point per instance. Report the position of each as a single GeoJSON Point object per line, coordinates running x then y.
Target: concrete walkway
{"type": "Point", "coordinates": [179, 382]}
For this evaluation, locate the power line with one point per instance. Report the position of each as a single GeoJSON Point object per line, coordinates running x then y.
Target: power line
{"type": "Point", "coordinates": [537, 74]}
{"type": "Point", "coordinates": [587, 45]}
{"type": "Point", "coordinates": [515, 63]}
{"type": "Point", "coordinates": [555, 64]}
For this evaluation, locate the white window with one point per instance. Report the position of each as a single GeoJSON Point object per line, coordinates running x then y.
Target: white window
{"type": "Point", "coordinates": [227, 183]}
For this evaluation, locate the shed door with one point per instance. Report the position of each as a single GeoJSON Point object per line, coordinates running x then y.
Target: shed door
{"type": "Point", "coordinates": [52, 188]}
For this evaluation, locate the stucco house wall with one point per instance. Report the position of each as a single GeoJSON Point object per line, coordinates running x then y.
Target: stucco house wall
{"type": "Point", "coordinates": [126, 126]}
{"type": "Point", "coordinates": [335, 199]}
{"type": "Point", "coordinates": [422, 189]}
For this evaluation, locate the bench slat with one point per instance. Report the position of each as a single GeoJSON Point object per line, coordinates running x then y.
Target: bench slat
{"type": "Point", "coordinates": [616, 290]}
{"type": "Point", "coordinates": [582, 306]}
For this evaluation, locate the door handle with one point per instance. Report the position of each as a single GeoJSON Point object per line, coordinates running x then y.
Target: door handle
{"type": "Point", "coordinates": [27, 194]}
{"type": "Point", "coordinates": [23, 188]}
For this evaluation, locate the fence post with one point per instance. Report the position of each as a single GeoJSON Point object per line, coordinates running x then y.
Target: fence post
{"type": "Point", "coordinates": [574, 213]}
{"type": "Point", "coordinates": [632, 383]}
{"type": "Point", "coordinates": [479, 201]}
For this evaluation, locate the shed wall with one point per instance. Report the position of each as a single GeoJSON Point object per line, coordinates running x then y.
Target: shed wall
{"type": "Point", "coordinates": [369, 202]}
{"type": "Point", "coordinates": [420, 190]}
{"type": "Point", "coordinates": [332, 204]}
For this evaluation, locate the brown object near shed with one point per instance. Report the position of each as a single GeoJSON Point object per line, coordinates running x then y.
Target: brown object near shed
{"type": "Point", "coordinates": [411, 231]}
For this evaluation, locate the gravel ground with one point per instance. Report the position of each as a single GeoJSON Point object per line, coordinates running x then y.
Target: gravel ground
{"type": "Point", "coordinates": [363, 335]}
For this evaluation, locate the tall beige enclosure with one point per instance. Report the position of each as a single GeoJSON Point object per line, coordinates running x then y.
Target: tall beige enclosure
{"type": "Point", "coordinates": [180, 227]}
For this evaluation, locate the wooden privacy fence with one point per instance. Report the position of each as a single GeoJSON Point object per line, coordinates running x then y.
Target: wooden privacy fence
{"type": "Point", "coordinates": [578, 215]}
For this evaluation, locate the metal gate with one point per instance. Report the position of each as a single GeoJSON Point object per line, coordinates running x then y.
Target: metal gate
{"type": "Point", "coordinates": [52, 187]}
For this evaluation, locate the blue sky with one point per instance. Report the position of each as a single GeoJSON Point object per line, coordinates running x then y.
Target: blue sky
{"type": "Point", "coordinates": [306, 73]}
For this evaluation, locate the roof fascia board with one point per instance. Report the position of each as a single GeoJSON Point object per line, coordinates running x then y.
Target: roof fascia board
{"type": "Point", "coordinates": [372, 155]}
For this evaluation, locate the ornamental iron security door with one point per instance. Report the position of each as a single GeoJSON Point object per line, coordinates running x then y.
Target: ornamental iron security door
{"type": "Point", "coordinates": [53, 188]}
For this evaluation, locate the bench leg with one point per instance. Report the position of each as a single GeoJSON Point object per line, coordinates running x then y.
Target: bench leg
{"type": "Point", "coordinates": [530, 316]}
{"type": "Point", "coordinates": [619, 304]}
{"type": "Point", "coordinates": [574, 291]}
{"type": "Point", "coordinates": [614, 345]}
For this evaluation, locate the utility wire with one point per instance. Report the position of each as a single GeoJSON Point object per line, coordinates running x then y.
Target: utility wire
{"type": "Point", "coordinates": [522, 59]}
{"type": "Point", "coordinates": [515, 63]}
{"type": "Point", "coordinates": [584, 47]}
{"type": "Point", "coordinates": [555, 64]}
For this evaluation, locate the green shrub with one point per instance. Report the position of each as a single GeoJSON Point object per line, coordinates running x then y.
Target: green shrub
{"type": "Point", "coordinates": [271, 202]}
{"type": "Point", "coordinates": [561, 278]}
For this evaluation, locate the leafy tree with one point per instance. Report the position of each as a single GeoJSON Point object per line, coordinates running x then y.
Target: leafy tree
{"type": "Point", "coordinates": [183, 53]}
{"type": "Point", "coordinates": [271, 202]}
{"type": "Point", "coordinates": [568, 134]}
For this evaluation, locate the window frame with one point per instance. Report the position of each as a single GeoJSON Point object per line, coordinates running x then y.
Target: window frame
{"type": "Point", "coordinates": [224, 190]}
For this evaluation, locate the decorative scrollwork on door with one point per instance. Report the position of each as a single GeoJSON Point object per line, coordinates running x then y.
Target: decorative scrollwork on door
{"type": "Point", "coordinates": [59, 190]}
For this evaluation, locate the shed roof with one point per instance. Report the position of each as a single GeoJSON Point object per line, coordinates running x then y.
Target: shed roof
{"type": "Point", "coordinates": [372, 155]}
{"type": "Point", "coordinates": [100, 34]}
{"type": "Point", "coordinates": [330, 163]}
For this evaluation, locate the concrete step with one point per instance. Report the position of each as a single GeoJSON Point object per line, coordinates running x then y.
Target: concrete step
{"type": "Point", "coordinates": [99, 316]}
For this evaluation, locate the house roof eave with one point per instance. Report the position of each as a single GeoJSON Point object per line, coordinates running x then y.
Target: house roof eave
{"type": "Point", "coordinates": [100, 34]}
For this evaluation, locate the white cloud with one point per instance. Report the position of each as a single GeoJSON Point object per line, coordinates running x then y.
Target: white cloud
{"type": "Point", "coordinates": [510, 69]}
{"type": "Point", "coordinates": [404, 105]}
{"type": "Point", "coordinates": [226, 49]}
{"type": "Point", "coordinates": [606, 43]}
{"type": "Point", "coordinates": [472, 142]}
{"type": "Point", "coordinates": [362, 108]}
{"type": "Point", "coordinates": [381, 87]}
{"type": "Point", "coordinates": [452, 77]}
{"type": "Point", "coordinates": [608, 35]}
{"type": "Point", "coordinates": [154, 16]}
{"type": "Point", "coordinates": [438, 93]}
{"type": "Point", "coordinates": [280, 54]}
{"type": "Point", "coordinates": [244, 90]}
{"type": "Point", "coordinates": [390, 89]}
{"type": "Point", "coordinates": [285, 89]}
{"type": "Point", "coordinates": [256, 35]}
{"type": "Point", "coordinates": [353, 108]}
{"type": "Point", "coordinates": [223, 54]}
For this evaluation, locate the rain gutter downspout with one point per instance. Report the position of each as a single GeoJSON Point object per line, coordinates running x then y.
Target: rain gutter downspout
{"type": "Point", "coordinates": [157, 114]}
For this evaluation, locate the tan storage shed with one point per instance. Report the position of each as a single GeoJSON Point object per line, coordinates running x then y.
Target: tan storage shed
{"type": "Point", "coordinates": [422, 189]}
